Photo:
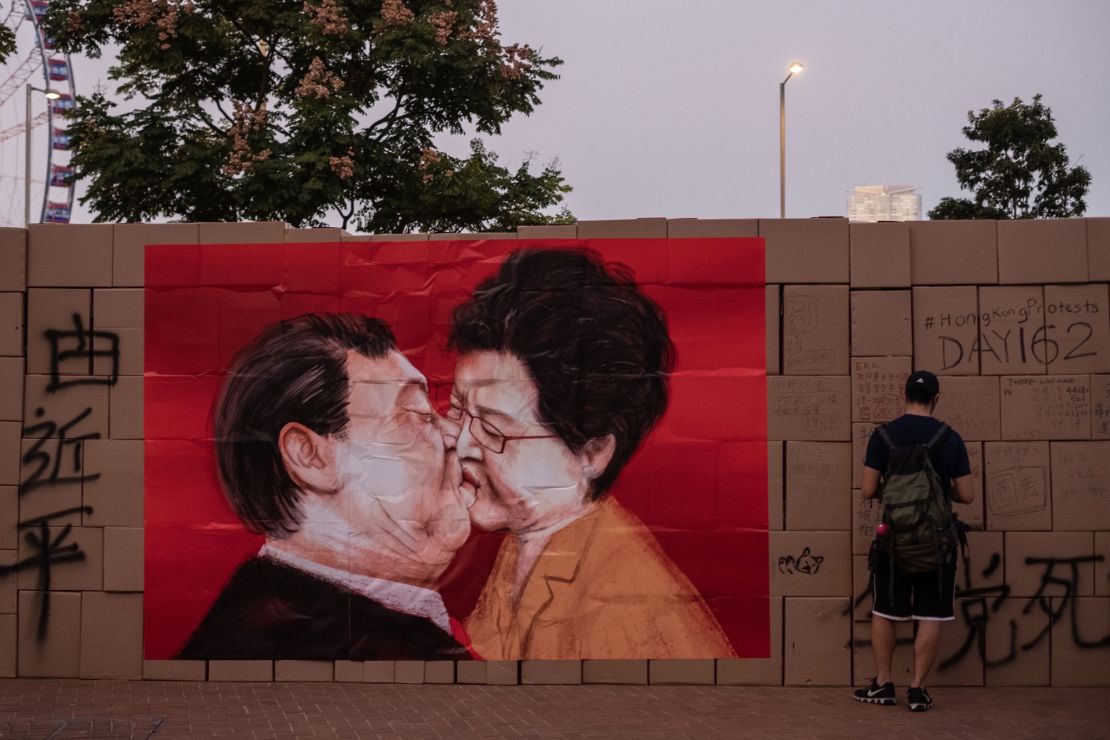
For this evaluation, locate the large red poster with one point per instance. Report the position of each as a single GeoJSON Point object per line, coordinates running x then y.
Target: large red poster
{"type": "Point", "coordinates": [499, 449]}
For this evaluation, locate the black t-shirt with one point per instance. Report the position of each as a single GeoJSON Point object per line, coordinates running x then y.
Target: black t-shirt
{"type": "Point", "coordinates": [949, 457]}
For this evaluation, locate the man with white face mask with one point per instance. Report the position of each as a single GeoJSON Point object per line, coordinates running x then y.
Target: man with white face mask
{"type": "Point", "coordinates": [328, 445]}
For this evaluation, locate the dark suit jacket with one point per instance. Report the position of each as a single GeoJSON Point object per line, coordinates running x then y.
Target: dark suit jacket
{"type": "Point", "coordinates": [271, 611]}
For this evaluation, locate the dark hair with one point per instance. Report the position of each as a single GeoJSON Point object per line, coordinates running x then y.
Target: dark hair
{"type": "Point", "coordinates": [295, 371]}
{"type": "Point", "coordinates": [597, 348]}
{"type": "Point", "coordinates": [923, 396]}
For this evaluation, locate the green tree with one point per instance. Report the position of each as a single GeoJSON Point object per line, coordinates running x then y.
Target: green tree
{"type": "Point", "coordinates": [7, 39]}
{"type": "Point", "coordinates": [1020, 173]}
{"type": "Point", "coordinates": [296, 109]}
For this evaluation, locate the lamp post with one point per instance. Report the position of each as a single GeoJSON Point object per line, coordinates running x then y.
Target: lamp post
{"type": "Point", "coordinates": [795, 68]}
{"type": "Point", "coordinates": [50, 95]}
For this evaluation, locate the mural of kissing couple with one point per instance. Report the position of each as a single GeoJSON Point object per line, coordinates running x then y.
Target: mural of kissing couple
{"type": "Point", "coordinates": [366, 486]}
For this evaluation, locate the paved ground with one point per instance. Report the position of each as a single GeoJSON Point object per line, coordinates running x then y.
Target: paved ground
{"type": "Point", "coordinates": [120, 709]}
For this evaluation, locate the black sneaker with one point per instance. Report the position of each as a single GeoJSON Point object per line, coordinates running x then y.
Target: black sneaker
{"type": "Point", "coordinates": [876, 694]}
{"type": "Point", "coordinates": [918, 699]}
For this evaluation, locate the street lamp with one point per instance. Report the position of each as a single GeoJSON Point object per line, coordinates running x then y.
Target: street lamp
{"type": "Point", "coordinates": [50, 95]}
{"type": "Point", "coordinates": [793, 69]}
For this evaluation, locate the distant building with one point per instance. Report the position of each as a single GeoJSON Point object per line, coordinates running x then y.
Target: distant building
{"type": "Point", "coordinates": [884, 203]}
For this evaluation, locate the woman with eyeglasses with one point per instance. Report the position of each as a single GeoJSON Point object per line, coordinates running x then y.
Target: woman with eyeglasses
{"type": "Point", "coordinates": [562, 372]}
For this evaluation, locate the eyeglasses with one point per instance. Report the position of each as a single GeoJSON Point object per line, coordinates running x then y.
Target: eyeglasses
{"type": "Point", "coordinates": [485, 433]}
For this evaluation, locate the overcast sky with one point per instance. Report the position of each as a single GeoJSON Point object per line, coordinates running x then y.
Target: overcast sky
{"type": "Point", "coordinates": [668, 108]}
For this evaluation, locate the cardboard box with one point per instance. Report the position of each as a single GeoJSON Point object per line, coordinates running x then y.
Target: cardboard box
{"type": "Point", "coordinates": [11, 324]}
{"type": "Point", "coordinates": [817, 637]}
{"type": "Point", "coordinates": [58, 655]}
{"type": "Point", "coordinates": [712, 227]}
{"type": "Point", "coordinates": [945, 330]}
{"type": "Point", "coordinates": [174, 670]}
{"type": "Point", "coordinates": [116, 496]}
{"type": "Point", "coordinates": [861, 436]}
{"type": "Point", "coordinates": [1078, 328]}
{"type": "Point", "coordinates": [45, 497]}
{"type": "Point", "coordinates": [809, 408]}
{"type": "Point", "coordinates": [1009, 629]}
{"type": "Point", "coordinates": [811, 563]}
{"type": "Point", "coordinates": [548, 231]}
{"type": "Point", "coordinates": [815, 333]}
{"type": "Point", "coordinates": [959, 662]}
{"type": "Point", "coordinates": [682, 672]}
{"type": "Point", "coordinates": [111, 635]}
{"type": "Point", "coordinates": [379, 671]}
{"type": "Point", "coordinates": [408, 671]}
{"type": "Point", "coordinates": [502, 672]}
{"type": "Point", "coordinates": [325, 234]}
{"type": "Point", "coordinates": [1100, 406]}
{"type": "Point", "coordinates": [386, 238]}
{"type": "Point", "coordinates": [866, 515]}
{"type": "Point", "coordinates": [818, 485]}
{"type": "Point", "coordinates": [1018, 492]}
{"type": "Point", "coordinates": [472, 236]}
{"type": "Point", "coordinates": [551, 672]}
{"type": "Point", "coordinates": [953, 252]}
{"type": "Point", "coordinates": [985, 564]}
{"type": "Point", "coordinates": [9, 644]}
{"type": "Point", "coordinates": [13, 259]}
{"type": "Point", "coordinates": [10, 453]}
{"type": "Point", "coordinates": [1072, 556]}
{"type": "Point", "coordinates": [628, 228]}
{"type": "Point", "coordinates": [125, 408]}
{"type": "Point", "coordinates": [123, 559]}
{"type": "Point", "coordinates": [863, 657]}
{"type": "Point", "coordinates": [1011, 330]}
{"type": "Point", "coordinates": [117, 308]}
{"type": "Point", "coordinates": [347, 671]}
{"type": "Point", "coordinates": [879, 388]}
{"type": "Point", "coordinates": [1042, 251]}
{"type": "Point", "coordinates": [971, 407]}
{"type": "Point", "coordinates": [1102, 567]}
{"type": "Point", "coordinates": [53, 311]}
{"type": "Point", "coordinates": [75, 575]}
{"type": "Point", "coordinates": [880, 255]}
{"type": "Point", "coordinates": [1098, 248]}
{"type": "Point", "coordinates": [757, 671]}
{"type": "Point", "coordinates": [9, 515]}
{"type": "Point", "coordinates": [881, 323]}
{"type": "Point", "coordinates": [9, 601]}
{"type": "Point", "coordinates": [627, 672]}
{"type": "Point", "coordinates": [773, 317]}
{"type": "Point", "coordinates": [48, 413]}
{"type": "Point", "coordinates": [304, 670]}
{"type": "Point", "coordinates": [262, 232]}
{"type": "Point", "coordinates": [240, 670]}
{"type": "Point", "coordinates": [69, 255]}
{"type": "Point", "coordinates": [861, 589]}
{"type": "Point", "coordinates": [439, 671]}
{"type": "Point", "coordinates": [775, 490]}
{"type": "Point", "coordinates": [11, 380]}
{"type": "Point", "coordinates": [1046, 407]}
{"type": "Point", "coordinates": [1081, 486]}
{"type": "Point", "coordinates": [128, 254]}
{"type": "Point", "coordinates": [806, 250]}
{"type": "Point", "coordinates": [972, 514]}
{"type": "Point", "coordinates": [1079, 646]}
{"type": "Point", "coordinates": [474, 671]}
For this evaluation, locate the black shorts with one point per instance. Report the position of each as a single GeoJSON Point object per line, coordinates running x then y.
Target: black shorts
{"type": "Point", "coordinates": [929, 596]}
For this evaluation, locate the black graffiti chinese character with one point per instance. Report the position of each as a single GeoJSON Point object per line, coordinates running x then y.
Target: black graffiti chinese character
{"type": "Point", "coordinates": [50, 468]}
{"type": "Point", "coordinates": [1069, 584]}
{"type": "Point", "coordinates": [77, 350]}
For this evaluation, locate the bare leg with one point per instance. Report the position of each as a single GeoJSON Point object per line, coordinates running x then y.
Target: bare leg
{"type": "Point", "coordinates": [925, 648]}
{"type": "Point", "coordinates": [882, 645]}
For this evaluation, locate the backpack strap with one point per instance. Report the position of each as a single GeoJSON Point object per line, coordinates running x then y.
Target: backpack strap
{"type": "Point", "coordinates": [940, 435]}
{"type": "Point", "coordinates": [884, 436]}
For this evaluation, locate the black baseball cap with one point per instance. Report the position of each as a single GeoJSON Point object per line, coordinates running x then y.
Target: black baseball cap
{"type": "Point", "coordinates": [923, 380]}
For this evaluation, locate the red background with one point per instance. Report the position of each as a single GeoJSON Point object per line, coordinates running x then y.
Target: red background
{"type": "Point", "coordinates": [699, 481]}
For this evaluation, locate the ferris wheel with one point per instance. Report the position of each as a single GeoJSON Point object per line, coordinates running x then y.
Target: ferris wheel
{"type": "Point", "coordinates": [36, 86]}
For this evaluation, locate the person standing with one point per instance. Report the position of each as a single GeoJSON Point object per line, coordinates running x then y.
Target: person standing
{"type": "Point", "coordinates": [913, 577]}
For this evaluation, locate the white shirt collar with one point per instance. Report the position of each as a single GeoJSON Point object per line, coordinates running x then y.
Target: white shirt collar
{"type": "Point", "coordinates": [400, 597]}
